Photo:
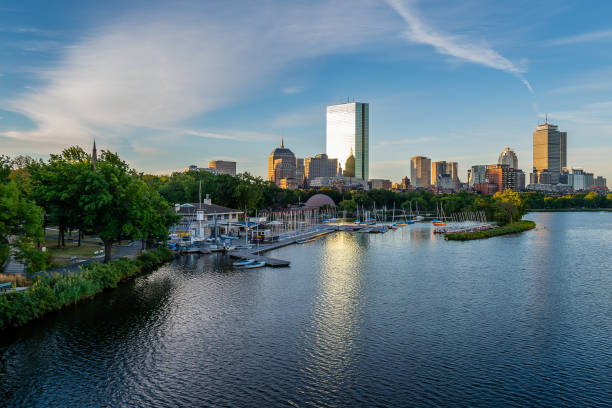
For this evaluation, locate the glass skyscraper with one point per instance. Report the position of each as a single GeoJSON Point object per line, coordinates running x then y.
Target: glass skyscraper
{"type": "Point", "coordinates": [348, 131]}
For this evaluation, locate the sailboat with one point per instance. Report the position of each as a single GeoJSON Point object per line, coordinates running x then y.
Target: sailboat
{"type": "Point", "coordinates": [439, 213]}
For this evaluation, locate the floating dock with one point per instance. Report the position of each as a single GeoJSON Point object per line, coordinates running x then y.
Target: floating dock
{"type": "Point", "coordinates": [255, 252]}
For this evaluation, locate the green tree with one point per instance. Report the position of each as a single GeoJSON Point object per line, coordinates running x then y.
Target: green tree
{"type": "Point", "coordinates": [510, 206]}
{"type": "Point", "coordinates": [20, 228]}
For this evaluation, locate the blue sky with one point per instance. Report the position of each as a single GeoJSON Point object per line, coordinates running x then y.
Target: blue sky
{"type": "Point", "coordinates": [168, 84]}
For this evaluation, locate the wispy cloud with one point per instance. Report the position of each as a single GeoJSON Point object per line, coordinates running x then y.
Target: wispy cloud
{"type": "Point", "coordinates": [456, 46]}
{"type": "Point", "coordinates": [585, 37]}
{"type": "Point", "coordinates": [238, 135]}
{"type": "Point", "coordinates": [292, 90]}
{"type": "Point", "coordinates": [156, 68]}
{"type": "Point", "coordinates": [599, 113]}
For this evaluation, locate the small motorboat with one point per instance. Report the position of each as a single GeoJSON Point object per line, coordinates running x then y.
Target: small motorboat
{"type": "Point", "coordinates": [253, 265]}
{"type": "Point", "coordinates": [244, 262]}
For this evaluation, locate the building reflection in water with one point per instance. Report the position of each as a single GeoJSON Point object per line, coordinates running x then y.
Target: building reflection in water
{"type": "Point", "coordinates": [332, 337]}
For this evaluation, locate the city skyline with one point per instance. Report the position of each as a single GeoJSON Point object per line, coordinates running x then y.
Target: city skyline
{"type": "Point", "coordinates": [411, 67]}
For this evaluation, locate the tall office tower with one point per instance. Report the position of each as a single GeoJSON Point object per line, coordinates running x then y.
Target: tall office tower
{"type": "Point", "coordinates": [438, 168]}
{"type": "Point", "coordinates": [420, 171]}
{"type": "Point", "coordinates": [509, 157]}
{"type": "Point", "coordinates": [281, 167]}
{"type": "Point", "coordinates": [320, 166]}
{"type": "Point", "coordinates": [477, 175]}
{"type": "Point", "coordinates": [223, 167]}
{"type": "Point", "coordinates": [549, 151]}
{"type": "Point", "coordinates": [348, 129]}
{"type": "Point", "coordinates": [453, 169]}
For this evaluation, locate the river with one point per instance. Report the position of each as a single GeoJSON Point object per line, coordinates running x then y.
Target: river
{"type": "Point", "coordinates": [397, 319]}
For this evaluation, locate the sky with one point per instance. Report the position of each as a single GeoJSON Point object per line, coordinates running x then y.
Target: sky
{"type": "Point", "coordinates": [169, 84]}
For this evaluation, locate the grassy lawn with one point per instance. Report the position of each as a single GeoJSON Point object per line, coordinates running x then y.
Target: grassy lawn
{"type": "Point", "coordinates": [513, 228]}
{"type": "Point", "coordinates": [62, 256]}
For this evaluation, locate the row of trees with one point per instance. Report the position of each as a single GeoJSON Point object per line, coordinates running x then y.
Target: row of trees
{"type": "Point", "coordinates": [105, 198]}
{"type": "Point", "coordinates": [112, 201]}
{"type": "Point", "coordinates": [247, 192]}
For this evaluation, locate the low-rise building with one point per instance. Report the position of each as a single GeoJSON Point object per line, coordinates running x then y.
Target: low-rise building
{"type": "Point", "coordinates": [379, 184]}
{"type": "Point", "coordinates": [193, 167]}
{"type": "Point", "coordinates": [200, 219]}
{"type": "Point", "coordinates": [486, 188]}
{"type": "Point", "coordinates": [339, 183]}
{"type": "Point", "coordinates": [223, 166]}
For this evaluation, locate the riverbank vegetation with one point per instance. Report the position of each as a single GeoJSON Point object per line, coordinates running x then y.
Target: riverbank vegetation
{"type": "Point", "coordinates": [512, 228]}
{"type": "Point", "coordinates": [47, 294]}
{"type": "Point", "coordinates": [110, 201]}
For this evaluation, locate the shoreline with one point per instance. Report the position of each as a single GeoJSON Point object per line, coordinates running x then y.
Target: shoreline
{"type": "Point", "coordinates": [514, 228]}
{"type": "Point", "coordinates": [570, 210]}
{"type": "Point", "coordinates": [49, 294]}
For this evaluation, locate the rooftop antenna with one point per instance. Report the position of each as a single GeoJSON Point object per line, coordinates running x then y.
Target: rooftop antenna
{"type": "Point", "coordinates": [546, 118]}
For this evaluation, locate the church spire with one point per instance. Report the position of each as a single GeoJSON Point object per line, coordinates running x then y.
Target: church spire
{"type": "Point", "coordinates": [94, 155]}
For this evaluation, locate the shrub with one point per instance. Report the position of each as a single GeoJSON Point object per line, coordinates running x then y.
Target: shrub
{"type": "Point", "coordinates": [513, 228]}
{"type": "Point", "coordinates": [52, 293]}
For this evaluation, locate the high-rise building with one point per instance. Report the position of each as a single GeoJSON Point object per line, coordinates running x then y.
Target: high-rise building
{"type": "Point", "coordinates": [453, 170]}
{"type": "Point", "coordinates": [420, 171]}
{"type": "Point", "coordinates": [600, 181]}
{"type": "Point", "coordinates": [509, 157]}
{"type": "Point", "coordinates": [405, 183]}
{"type": "Point", "coordinates": [520, 180]}
{"type": "Point", "coordinates": [299, 170]}
{"type": "Point", "coordinates": [477, 175]}
{"type": "Point", "coordinates": [501, 175]}
{"type": "Point", "coordinates": [549, 151]}
{"type": "Point", "coordinates": [348, 131]}
{"type": "Point", "coordinates": [440, 168]}
{"type": "Point", "coordinates": [281, 165]}
{"type": "Point", "coordinates": [320, 166]}
{"type": "Point", "coordinates": [223, 166]}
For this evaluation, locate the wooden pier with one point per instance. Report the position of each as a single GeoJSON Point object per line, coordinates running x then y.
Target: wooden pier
{"type": "Point", "coordinates": [255, 252]}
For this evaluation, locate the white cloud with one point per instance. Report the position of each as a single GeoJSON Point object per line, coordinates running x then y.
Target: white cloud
{"type": "Point", "coordinates": [586, 37]}
{"type": "Point", "coordinates": [456, 46]}
{"type": "Point", "coordinates": [238, 135]}
{"type": "Point", "coordinates": [153, 69]}
{"type": "Point", "coordinates": [292, 90]}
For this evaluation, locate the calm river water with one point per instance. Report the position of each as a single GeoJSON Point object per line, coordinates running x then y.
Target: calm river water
{"type": "Point", "coordinates": [397, 319]}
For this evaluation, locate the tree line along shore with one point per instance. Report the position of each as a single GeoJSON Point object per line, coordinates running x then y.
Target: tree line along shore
{"type": "Point", "coordinates": [106, 199]}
